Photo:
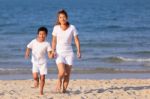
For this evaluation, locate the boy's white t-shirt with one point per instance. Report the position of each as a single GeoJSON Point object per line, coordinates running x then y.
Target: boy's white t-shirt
{"type": "Point", "coordinates": [64, 38]}
{"type": "Point", "coordinates": [39, 50]}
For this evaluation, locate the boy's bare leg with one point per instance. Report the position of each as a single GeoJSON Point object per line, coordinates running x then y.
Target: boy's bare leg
{"type": "Point", "coordinates": [36, 80]}
{"type": "Point", "coordinates": [42, 83]}
{"type": "Point", "coordinates": [61, 72]}
{"type": "Point", "coordinates": [66, 77]}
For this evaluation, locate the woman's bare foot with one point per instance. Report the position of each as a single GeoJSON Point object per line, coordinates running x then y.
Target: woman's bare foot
{"type": "Point", "coordinates": [56, 90]}
{"type": "Point", "coordinates": [64, 91]}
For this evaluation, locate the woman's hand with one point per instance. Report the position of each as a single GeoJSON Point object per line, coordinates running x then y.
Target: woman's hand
{"type": "Point", "coordinates": [55, 55]}
{"type": "Point", "coordinates": [78, 54]}
{"type": "Point", "coordinates": [77, 42]}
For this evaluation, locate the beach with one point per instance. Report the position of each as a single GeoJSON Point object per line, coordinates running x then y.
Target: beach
{"type": "Point", "coordinates": [78, 89]}
{"type": "Point", "coordinates": [114, 37]}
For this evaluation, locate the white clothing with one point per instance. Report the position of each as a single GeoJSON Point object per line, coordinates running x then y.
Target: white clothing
{"type": "Point", "coordinates": [65, 58]}
{"type": "Point", "coordinates": [64, 38]}
{"type": "Point", "coordinates": [39, 50]}
{"type": "Point", "coordinates": [63, 47]}
{"type": "Point", "coordinates": [39, 68]}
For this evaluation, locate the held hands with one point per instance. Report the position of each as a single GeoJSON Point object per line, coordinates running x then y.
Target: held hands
{"type": "Point", "coordinates": [53, 54]}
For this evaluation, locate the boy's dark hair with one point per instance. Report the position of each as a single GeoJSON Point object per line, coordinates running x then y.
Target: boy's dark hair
{"type": "Point", "coordinates": [43, 29]}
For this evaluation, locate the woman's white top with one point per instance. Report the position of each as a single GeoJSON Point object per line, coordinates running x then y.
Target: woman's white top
{"type": "Point", "coordinates": [64, 38]}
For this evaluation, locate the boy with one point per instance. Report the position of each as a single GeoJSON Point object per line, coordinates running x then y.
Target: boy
{"type": "Point", "coordinates": [39, 47]}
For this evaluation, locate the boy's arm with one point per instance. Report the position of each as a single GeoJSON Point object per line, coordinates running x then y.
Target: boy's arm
{"type": "Point", "coordinates": [27, 53]}
{"type": "Point", "coordinates": [77, 43]}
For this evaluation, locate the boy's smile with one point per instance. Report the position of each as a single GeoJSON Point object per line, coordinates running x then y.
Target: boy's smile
{"type": "Point", "coordinates": [41, 36]}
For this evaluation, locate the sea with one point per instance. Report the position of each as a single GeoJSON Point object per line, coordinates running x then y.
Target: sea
{"type": "Point", "coordinates": [114, 36]}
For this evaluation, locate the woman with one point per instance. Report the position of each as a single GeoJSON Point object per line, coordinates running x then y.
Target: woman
{"type": "Point", "coordinates": [62, 35]}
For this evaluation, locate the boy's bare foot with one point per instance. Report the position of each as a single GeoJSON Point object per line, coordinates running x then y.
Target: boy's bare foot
{"type": "Point", "coordinates": [35, 86]}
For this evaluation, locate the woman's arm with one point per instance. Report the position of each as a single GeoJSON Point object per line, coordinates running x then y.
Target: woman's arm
{"type": "Point", "coordinates": [54, 42]}
{"type": "Point", "coordinates": [77, 43]}
{"type": "Point", "coordinates": [27, 53]}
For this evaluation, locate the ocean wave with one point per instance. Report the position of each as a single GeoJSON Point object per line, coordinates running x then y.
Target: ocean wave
{"type": "Point", "coordinates": [124, 59]}
{"type": "Point", "coordinates": [105, 45]}
{"type": "Point", "coordinates": [124, 28]}
{"type": "Point", "coordinates": [113, 27]}
{"type": "Point", "coordinates": [136, 28]}
{"type": "Point", "coordinates": [139, 52]}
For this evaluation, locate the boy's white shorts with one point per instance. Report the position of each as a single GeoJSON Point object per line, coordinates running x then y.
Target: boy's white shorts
{"type": "Point", "coordinates": [42, 68]}
{"type": "Point", "coordinates": [65, 58]}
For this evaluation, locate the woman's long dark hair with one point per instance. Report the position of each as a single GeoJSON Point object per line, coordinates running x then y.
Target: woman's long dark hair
{"type": "Point", "coordinates": [62, 12]}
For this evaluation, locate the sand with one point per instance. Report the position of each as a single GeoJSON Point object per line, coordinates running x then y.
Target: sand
{"type": "Point", "coordinates": [78, 89]}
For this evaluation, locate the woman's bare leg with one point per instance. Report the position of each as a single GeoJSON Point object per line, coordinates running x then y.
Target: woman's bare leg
{"type": "Point", "coordinates": [61, 72]}
{"type": "Point", "coordinates": [66, 77]}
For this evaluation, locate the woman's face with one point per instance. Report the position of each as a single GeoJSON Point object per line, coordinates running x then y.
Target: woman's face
{"type": "Point", "coordinates": [62, 19]}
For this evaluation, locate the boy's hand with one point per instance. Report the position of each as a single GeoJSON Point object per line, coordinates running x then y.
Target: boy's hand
{"type": "Point", "coordinates": [27, 53]}
{"type": "Point", "coordinates": [26, 56]}
{"type": "Point", "coordinates": [52, 54]}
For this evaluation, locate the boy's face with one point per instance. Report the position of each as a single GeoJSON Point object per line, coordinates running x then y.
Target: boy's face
{"type": "Point", "coordinates": [42, 36]}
